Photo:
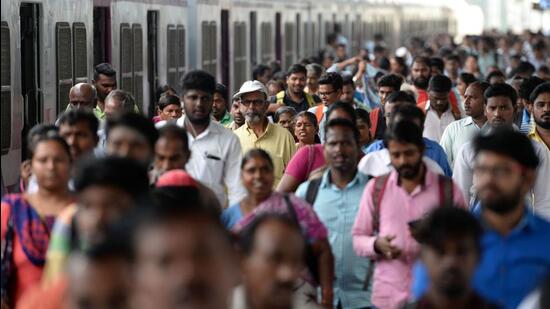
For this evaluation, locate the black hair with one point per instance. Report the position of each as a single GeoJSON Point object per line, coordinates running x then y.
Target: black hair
{"type": "Point", "coordinates": [401, 96]}
{"type": "Point", "coordinates": [346, 107]}
{"type": "Point", "coordinates": [74, 116]}
{"type": "Point", "coordinates": [168, 99]}
{"type": "Point", "coordinates": [136, 122]}
{"type": "Point", "coordinates": [495, 73]}
{"type": "Point", "coordinates": [332, 78]}
{"type": "Point", "coordinates": [445, 223]}
{"type": "Point", "coordinates": [438, 63]}
{"type": "Point", "coordinates": [176, 132]}
{"type": "Point", "coordinates": [123, 173]}
{"type": "Point", "coordinates": [408, 112]}
{"type": "Point", "coordinates": [544, 69]}
{"type": "Point", "coordinates": [222, 90]}
{"type": "Point", "coordinates": [175, 195]}
{"type": "Point", "coordinates": [255, 153]}
{"type": "Point", "coordinates": [528, 85]}
{"type": "Point", "coordinates": [51, 138]}
{"type": "Point", "coordinates": [39, 131]}
{"type": "Point", "coordinates": [363, 115]}
{"type": "Point", "coordinates": [525, 67]}
{"type": "Point", "coordinates": [310, 116]}
{"type": "Point", "coordinates": [422, 59]}
{"type": "Point", "coordinates": [247, 236]}
{"type": "Point", "coordinates": [384, 63]}
{"type": "Point", "coordinates": [284, 110]}
{"type": "Point", "coordinates": [501, 89]}
{"type": "Point", "coordinates": [440, 83]}
{"type": "Point", "coordinates": [542, 88]}
{"type": "Point", "coordinates": [296, 69]}
{"type": "Point", "coordinates": [104, 69]}
{"type": "Point", "coordinates": [403, 64]}
{"type": "Point", "coordinates": [454, 57]}
{"type": "Point", "coordinates": [340, 122]}
{"type": "Point", "coordinates": [390, 80]}
{"type": "Point", "coordinates": [348, 81]}
{"type": "Point", "coordinates": [198, 80]}
{"type": "Point", "coordinates": [259, 70]}
{"type": "Point", "coordinates": [405, 132]}
{"type": "Point", "coordinates": [507, 142]}
{"type": "Point", "coordinates": [467, 78]}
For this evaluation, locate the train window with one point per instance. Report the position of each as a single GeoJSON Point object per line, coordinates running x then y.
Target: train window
{"type": "Point", "coordinates": [137, 64]}
{"type": "Point", "coordinates": [306, 40]}
{"type": "Point", "coordinates": [181, 52]}
{"type": "Point", "coordinates": [239, 50]}
{"type": "Point", "coordinates": [253, 41]}
{"type": "Point", "coordinates": [299, 40]}
{"type": "Point", "coordinates": [267, 42]}
{"type": "Point", "coordinates": [289, 44]}
{"type": "Point", "coordinates": [5, 77]}
{"type": "Point", "coordinates": [209, 47]}
{"type": "Point", "coordinates": [80, 53]}
{"type": "Point", "coordinates": [64, 64]}
{"type": "Point", "coordinates": [126, 58]}
{"type": "Point", "coordinates": [172, 59]}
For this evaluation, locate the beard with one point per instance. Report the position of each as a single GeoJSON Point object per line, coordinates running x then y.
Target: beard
{"type": "Point", "coordinates": [409, 171]}
{"type": "Point", "coordinates": [504, 203]}
{"type": "Point", "coordinates": [253, 117]}
{"type": "Point", "coordinates": [541, 123]}
{"type": "Point", "coordinates": [453, 286]}
{"type": "Point", "coordinates": [421, 82]}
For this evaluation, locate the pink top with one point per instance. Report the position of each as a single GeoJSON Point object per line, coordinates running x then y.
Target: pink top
{"type": "Point", "coordinates": [304, 161]}
{"type": "Point", "coordinates": [392, 278]}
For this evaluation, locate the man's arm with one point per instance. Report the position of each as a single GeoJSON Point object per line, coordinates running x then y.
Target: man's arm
{"type": "Point", "coordinates": [232, 171]}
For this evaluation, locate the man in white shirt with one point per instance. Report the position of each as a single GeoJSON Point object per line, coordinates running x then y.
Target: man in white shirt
{"type": "Point", "coordinates": [216, 151]}
{"type": "Point", "coordinates": [462, 131]}
{"type": "Point", "coordinates": [438, 109]}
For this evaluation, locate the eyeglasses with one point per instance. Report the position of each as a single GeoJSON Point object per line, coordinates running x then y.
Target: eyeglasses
{"type": "Point", "coordinates": [326, 94]}
{"type": "Point", "coordinates": [496, 171]}
{"type": "Point", "coordinates": [256, 103]}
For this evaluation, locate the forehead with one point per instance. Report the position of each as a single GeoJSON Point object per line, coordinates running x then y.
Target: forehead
{"type": "Point", "coordinates": [419, 65]}
{"type": "Point", "coordinates": [273, 235]}
{"type": "Point", "coordinates": [256, 95]}
{"type": "Point", "coordinates": [486, 157]}
{"type": "Point", "coordinates": [499, 101]}
{"type": "Point", "coordinates": [438, 94]}
{"type": "Point", "coordinates": [543, 97]}
{"type": "Point", "coordinates": [339, 133]}
{"type": "Point", "coordinates": [196, 92]}
{"type": "Point", "coordinates": [169, 142]}
{"type": "Point", "coordinates": [79, 125]}
{"type": "Point", "coordinates": [474, 90]}
{"type": "Point", "coordinates": [126, 133]}
{"type": "Point", "coordinates": [397, 146]}
{"type": "Point", "coordinates": [326, 86]}
{"type": "Point", "coordinates": [297, 75]}
{"type": "Point", "coordinates": [102, 78]}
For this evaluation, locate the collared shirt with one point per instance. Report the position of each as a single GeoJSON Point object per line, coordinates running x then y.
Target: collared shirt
{"type": "Point", "coordinates": [534, 135]}
{"type": "Point", "coordinates": [276, 140]}
{"type": "Point", "coordinates": [216, 161]}
{"type": "Point", "coordinates": [392, 278]}
{"type": "Point", "coordinates": [434, 125]}
{"type": "Point", "coordinates": [232, 126]}
{"type": "Point", "coordinates": [337, 209]}
{"type": "Point", "coordinates": [99, 113]}
{"type": "Point", "coordinates": [378, 163]}
{"type": "Point", "coordinates": [226, 119]}
{"type": "Point", "coordinates": [457, 134]}
{"type": "Point", "coordinates": [527, 124]}
{"type": "Point", "coordinates": [432, 150]}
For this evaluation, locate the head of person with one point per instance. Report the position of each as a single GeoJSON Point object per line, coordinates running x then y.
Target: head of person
{"type": "Point", "coordinates": [395, 100]}
{"type": "Point", "coordinates": [406, 147]}
{"type": "Point", "coordinates": [452, 64]}
{"type": "Point", "coordinates": [450, 249]}
{"type": "Point", "coordinates": [464, 80]}
{"type": "Point", "coordinates": [284, 117]}
{"type": "Point", "coordinates": [341, 110]}
{"type": "Point", "coordinates": [341, 147]}
{"type": "Point", "coordinates": [387, 85]}
{"type": "Point", "coordinates": [525, 69]}
{"type": "Point", "coordinates": [526, 87]}
{"type": "Point", "coordinates": [420, 72]}
{"type": "Point", "coordinates": [51, 162]}
{"type": "Point", "coordinates": [257, 173]}
{"type": "Point", "coordinates": [398, 66]}
{"type": "Point", "coordinates": [500, 104]}
{"type": "Point", "coordinates": [262, 73]}
{"type": "Point", "coordinates": [314, 72]}
{"type": "Point", "coordinates": [171, 149]}
{"type": "Point", "coordinates": [169, 107]}
{"type": "Point", "coordinates": [106, 189]}
{"type": "Point", "coordinates": [541, 105]}
{"type": "Point", "coordinates": [198, 89]}
{"type": "Point", "coordinates": [273, 250]}
{"type": "Point", "coordinates": [131, 136]}
{"type": "Point", "coordinates": [495, 77]}
{"type": "Point", "coordinates": [348, 90]}
{"type": "Point", "coordinates": [296, 79]}
{"type": "Point", "coordinates": [164, 90]}
{"type": "Point", "coordinates": [474, 101]}
{"type": "Point", "coordinates": [37, 132]}
{"type": "Point", "coordinates": [340, 51]}
{"type": "Point", "coordinates": [104, 80]}
{"type": "Point", "coordinates": [118, 102]}
{"type": "Point", "coordinates": [183, 258]}
{"type": "Point", "coordinates": [330, 88]}
{"type": "Point", "coordinates": [471, 64]}
{"type": "Point", "coordinates": [438, 92]}
{"type": "Point", "coordinates": [219, 101]}
{"type": "Point", "coordinates": [437, 66]}
{"type": "Point", "coordinates": [82, 95]}
{"type": "Point", "coordinates": [544, 72]}
{"type": "Point", "coordinates": [363, 126]}
{"type": "Point", "coordinates": [306, 128]}
{"type": "Point", "coordinates": [504, 169]}
{"type": "Point", "coordinates": [79, 128]}
{"type": "Point", "coordinates": [274, 87]}
{"type": "Point", "coordinates": [236, 114]}
{"type": "Point", "coordinates": [253, 101]}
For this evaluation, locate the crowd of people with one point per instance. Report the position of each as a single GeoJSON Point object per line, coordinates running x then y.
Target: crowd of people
{"type": "Point", "coordinates": [412, 179]}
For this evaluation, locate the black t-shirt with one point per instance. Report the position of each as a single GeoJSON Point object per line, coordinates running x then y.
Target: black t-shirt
{"type": "Point", "coordinates": [301, 106]}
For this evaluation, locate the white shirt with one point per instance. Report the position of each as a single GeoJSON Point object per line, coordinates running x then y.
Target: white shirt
{"type": "Point", "coordinates": [378, 163]}
{"type": "Point", "coordinates": [216, 161]}
{"type": "Point", "coordinates": [463, 176]}
{"type": "Point", "coordinates": [457, 134]}
{"type": "Point", "coordinates": [433, 125]}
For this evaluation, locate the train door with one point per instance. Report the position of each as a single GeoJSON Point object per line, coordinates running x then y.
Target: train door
{"type": "Point", "coordinates": [102, 35]}
{"type": "Point", "coordinates": [152, 58]}
{"type": "Point", "coordinates": [30, 69]}
{"type": "Point", "coordinates": [225, 49]}
{"type": "Point", "coordinates": [278, 38]}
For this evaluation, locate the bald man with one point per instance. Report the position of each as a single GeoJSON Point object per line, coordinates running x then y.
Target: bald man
{"type": "Point", "coordinates": [82, 95]}
{"type": "Point", "coordinates": [117, 102]}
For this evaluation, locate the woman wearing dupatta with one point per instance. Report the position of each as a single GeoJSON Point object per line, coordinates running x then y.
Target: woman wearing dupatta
{"type": "Point", "coordinates": [27, 219]}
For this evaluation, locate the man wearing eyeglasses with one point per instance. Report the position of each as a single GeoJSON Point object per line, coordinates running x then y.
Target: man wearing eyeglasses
{"type": "Point", "coordinates": [330, 89]}
{"type": "Point", "coordinates": [258, 132]}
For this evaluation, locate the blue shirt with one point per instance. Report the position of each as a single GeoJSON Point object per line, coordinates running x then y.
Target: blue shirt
{"type": "Point", "coordinates": [432, 150]}
{"type": "Point", "coordinates": [231, 216]}
{"type": "Point", "coordinates": [337, 209]}
{"type": "Point", "coordinates": [511, 266]}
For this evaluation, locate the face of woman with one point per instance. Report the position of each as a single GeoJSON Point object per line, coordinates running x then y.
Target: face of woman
{"type": "Point", "coordinates": [51, 165]}
{"type": "Point", "coordinates": [305, 131]}
{"type": "Point", "coordinates": [257, 176]}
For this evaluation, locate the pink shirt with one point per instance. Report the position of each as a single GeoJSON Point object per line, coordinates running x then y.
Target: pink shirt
{"type": "Point", "coordinates": [392, 278]}
{"type": "Point", "coordinates": [306, 160]}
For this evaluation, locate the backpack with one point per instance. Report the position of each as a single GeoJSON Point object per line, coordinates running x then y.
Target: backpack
{"type": "Point", "coordinates": [280, 98]}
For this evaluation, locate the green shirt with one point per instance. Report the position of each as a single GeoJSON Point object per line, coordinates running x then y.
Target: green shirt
{"type": "Point", "coordinates": [226, 119]}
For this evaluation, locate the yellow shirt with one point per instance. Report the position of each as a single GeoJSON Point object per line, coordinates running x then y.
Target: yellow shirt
{"type": "Point", "coordinates": [534, 135]}
{"type": "Point", "coordinates": [276, 141]}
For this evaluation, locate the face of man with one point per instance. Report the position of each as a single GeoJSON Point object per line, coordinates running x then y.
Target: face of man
{"type": "Point", "coordinates": [103, 85]}
{"type": "Point", "coordinates": [264, 78]}
{"type": "Point", "coordinates": [452, 67]}
{"type": "Point", "coordinates": [406, 158]}
{"type": "Point", "coordinates": [112, 107]}
{"type": "Point", "coordinates": [286, 120]}
{"type": "Point", "coordinates": [80, 138]}
{"type": "Point", "coordinates": [171, 112]}
{"type": "Point", "coordinates": [170, 154]}
{"type": "Point", "coordinates": [82, 97]}
{"type": "Point", "coordinates": [198, 106]}
{"type": "Point", "coordinates": [499, 111]}
{"type": "Point", "coordinates": [128, 143]}
{"type": "Point", "coordinates": [541, 111]}
{"type": "Point", "coordinates": [451, 267]}
{"type": "Point", "coordinates": [420, 73]}
{"type": "Point", "coordinates": [439, 100]}
{"type": "Point", "coordinates": [312, 81]}
{"type": "Point", "coordinates": [272, 268]}
{"type": "Point", "coordinates": [364, 132]}
{"type": "Point", "coordinates": [384, 92]}
{"type": "Point", "coordinates": [236, 113]}
{"type": "Point", "coordinates": [461, 86]}
{"type": "Point", "coordinates": [296, 83]}
{"type": "Point", "coordinates": [183, 263]}
{"type": "Point", "coordinates": [347, 94]}
{"type": "Point", "coordinates": [341, 149]}
{"type": "Point", "coordinates": [218, 106]}
{"type": "Point", "coordinates": [474, 102]}
{"type": "Point", "coordinates": [328, 95]}
{"type": "Point", "coordinates": [253, 106]}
